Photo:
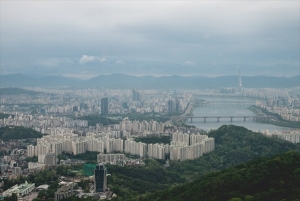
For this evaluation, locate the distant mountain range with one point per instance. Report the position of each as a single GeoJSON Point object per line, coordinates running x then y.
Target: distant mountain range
{"type": "Point", "coordinates": [17, 91]}
{"type": "Point", "coordinates": [122, 81]}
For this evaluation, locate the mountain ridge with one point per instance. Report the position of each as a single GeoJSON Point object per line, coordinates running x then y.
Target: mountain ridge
{"type": "Point", "coordinates": [123, 81]}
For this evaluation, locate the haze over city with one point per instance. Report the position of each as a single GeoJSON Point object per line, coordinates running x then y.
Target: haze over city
{"type": "Point", "coordinates": [86, 39]}
{"type": "Point", "coordinates": [150, 100]}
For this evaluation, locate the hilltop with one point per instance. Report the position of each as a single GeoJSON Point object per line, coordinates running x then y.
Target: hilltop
{"type": "Point", "coordinates": [275, 178]}
{"type": "Point", "coordinates": [234, 145]}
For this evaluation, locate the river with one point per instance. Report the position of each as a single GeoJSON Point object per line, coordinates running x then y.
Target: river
{"type": "Point", "coordinates": [236, 108]}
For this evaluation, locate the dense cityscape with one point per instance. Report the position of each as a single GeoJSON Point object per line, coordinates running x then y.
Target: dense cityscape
{"type": "Point", "coordinates": [110, 123]}
{"type": "Point", "coordinates": [149, 100]}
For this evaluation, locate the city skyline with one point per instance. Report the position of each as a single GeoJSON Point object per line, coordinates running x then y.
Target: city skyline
{"type": "Point", "coordinates": [91, 38]}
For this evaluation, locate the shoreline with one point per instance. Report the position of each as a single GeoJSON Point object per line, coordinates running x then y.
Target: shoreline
{"type": "Point", "coordinates": [278, 122]}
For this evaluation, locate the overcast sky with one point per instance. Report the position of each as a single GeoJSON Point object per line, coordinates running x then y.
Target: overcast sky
{"type": "Point", "coordinates": [88, 38]}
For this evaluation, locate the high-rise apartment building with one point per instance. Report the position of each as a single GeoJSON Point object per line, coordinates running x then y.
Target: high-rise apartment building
{"type": "Point", "coordinates": [50, 159]}
{"type": "Point", "coordinates": [104, 106]}
{"type": "Point", "coordinates": [170, 106]}
{"type": "Point", "coordinates": [100, 180]}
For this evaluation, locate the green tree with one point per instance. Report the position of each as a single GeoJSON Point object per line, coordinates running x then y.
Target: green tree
{"type": "Point", "coordinates": [235, 199]}
{"type": "Point", "coordinates": [41, 194]}
{"type": "Point", "coordinates": [249, 198]}
{"type": "Point", "coordinates": [14, 197]}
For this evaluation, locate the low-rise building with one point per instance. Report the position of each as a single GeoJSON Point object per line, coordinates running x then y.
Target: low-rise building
{"type": "Point", "coordinates": [64, 192]}
{"type": "Point", "coordinates": [32, 166]}
{"type": "Point", "coordinates": [20, 190]}
{"type": "Point", "coordinates": [111, 158]}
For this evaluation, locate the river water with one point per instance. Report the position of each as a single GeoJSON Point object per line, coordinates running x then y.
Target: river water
{"type": "Point", "coordinates": [235, 106]}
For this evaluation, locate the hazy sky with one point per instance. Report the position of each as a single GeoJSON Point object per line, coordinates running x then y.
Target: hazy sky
{"type": "Point", "coordinates": [89, 38]}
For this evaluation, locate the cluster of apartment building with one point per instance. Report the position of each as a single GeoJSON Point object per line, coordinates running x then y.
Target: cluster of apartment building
{"type": "Point", "coordinates": [190, 146]}
{"type": "Point", "coordinates": [182, 147]}
{"type": "Point", "coordinates": [285, 112]}
{"type": "Point", "coordinates": [145, 127]}
{"type": "Point", "coordinates": [291, 136]}
{"type": "Point", "coordinates": [42, 122]}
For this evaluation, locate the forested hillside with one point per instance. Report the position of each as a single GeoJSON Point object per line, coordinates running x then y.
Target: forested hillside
{"type": "Point", "coordinates": [234, 145]}
{"type": "Point", "coordinates": [128, 182]}
{"type": "Point", "coordinates": [261, 179]}
{"type": "Point", "coordinates": [18, 132]}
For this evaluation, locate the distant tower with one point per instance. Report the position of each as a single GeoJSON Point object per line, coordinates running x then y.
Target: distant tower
{"type": "Point", "coordinates": [170, 106]}
{"type": "Point", "coordinates": [100, 180]}
{"type": "Point", "coordinates": [240, 86]}
{"type": "Point", "coordinates": [104, 106]}
{"type": "Point", "coordinates": [135, 95]}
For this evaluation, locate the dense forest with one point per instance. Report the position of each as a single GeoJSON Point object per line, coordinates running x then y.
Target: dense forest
{"type": "Point", "coordinates": [97, 119]}
{"type": "Point", "coordinates": [18, 132]}
{"type": "Point", "coordinates": [153, 139]}
{"type": "Point", "coordinates": [261, 179]}
{"type": "Point", "coordinates": [2, 115]}
{"type": "Point", "coordinates": [129, 182]}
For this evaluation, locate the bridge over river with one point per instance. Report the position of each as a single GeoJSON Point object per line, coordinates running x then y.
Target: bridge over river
{"type": "Point", "coordinates": [254, 118]}
{"type": "Point", "coordinates": [222, 105]}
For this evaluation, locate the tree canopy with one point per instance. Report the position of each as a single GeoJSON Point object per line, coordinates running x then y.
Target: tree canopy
{"type": "Point", "coordinates": [18, 132]}
{"type": "Point", "coordinates": [275, 178]}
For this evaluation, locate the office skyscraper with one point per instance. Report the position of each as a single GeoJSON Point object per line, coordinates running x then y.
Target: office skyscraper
{"type": "Point", "coordinates": [135, 95]}
{"type": "Point", "coordinates": [100, 180]}
{"type": "Point", "coordinates": [170, 106]}
{"type": "Point", "coordinates": [240, 86]}
{"type": "Point", "coordinates": [177, 104]}
{"type": "Point", "coordinates": [104, 106]}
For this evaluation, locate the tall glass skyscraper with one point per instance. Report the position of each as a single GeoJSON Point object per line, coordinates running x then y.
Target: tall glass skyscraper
{"type": "Point", "coordinates": [100, 180]}
{"type": "Point", "coordinates": [104, 106]}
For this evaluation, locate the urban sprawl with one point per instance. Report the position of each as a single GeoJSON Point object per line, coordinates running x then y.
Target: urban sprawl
{"type": "Point", "coordinates": [60, 115]}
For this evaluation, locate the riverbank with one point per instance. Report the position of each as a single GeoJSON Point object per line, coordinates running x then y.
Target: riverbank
{"type": "Point", "coordinates": [181, 120]}
{"type": "Point", "coordinates": [276, 120]}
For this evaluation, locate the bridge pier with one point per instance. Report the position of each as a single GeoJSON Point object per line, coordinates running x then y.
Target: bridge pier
{"type": "Point", "coordinates": [254, 118]}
